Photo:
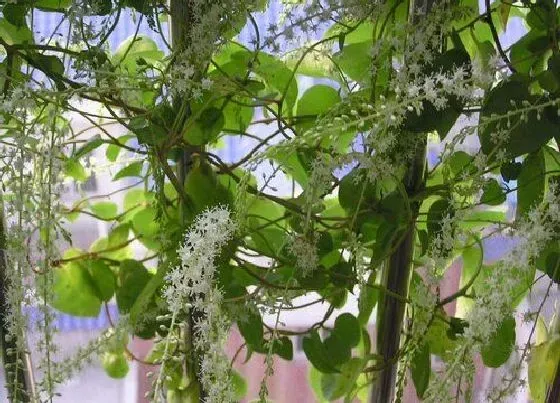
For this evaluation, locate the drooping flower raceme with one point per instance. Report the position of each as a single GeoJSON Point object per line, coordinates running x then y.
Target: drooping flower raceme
{"type": "Point", "coordinates": [190, 286]}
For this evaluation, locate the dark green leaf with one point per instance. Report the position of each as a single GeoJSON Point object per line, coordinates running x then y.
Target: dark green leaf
{"type": "Point", "coordinates": [531, 183]}
{"type": "Point", "coordinates": [132, 279]}
{"type": "Point", "coordinates": [367, 300]}
{"type": "Point", "coordinates": [500, 346]}
{"type": "Point", "coordinates": [283, 348]}
{"type": "Point", "coordinates": [524, 136]}
{"type": "Point", "coordinates": [348, 328]}
{"type": "Point", "coordinates": [103, 279]}
{"type": "Point", "coordinates": [316, 353]}
{"type": "Point", "coordinates": [493, 194]}
{"type": "Point", "coordinates": [251, 328]}
{"type": "Point", "coordinates": [420, 368]}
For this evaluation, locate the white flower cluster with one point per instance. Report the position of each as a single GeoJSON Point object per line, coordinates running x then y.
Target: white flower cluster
{"type": "Point", "coordinates": [190, 285]}
{"type": "Point", "coordinates": [305, 252]}
{"type": "Point", "coordinates": [494, 301]}
{"type": "Point", "coordinates": [202, 244]}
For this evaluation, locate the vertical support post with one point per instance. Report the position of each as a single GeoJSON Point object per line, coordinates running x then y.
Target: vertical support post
{"type": "Point", "coordinates": [397, 270]}
{"type": "Point", "coordinates": [181, 20]}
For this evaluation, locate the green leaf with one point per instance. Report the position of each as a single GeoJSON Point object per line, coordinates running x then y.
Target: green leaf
{"type": "Point", "coordinates": [420, 369]}
{"type": "Point", "coordinates": [113, 150]}
{"type": "Point", "coordinates": [144, 222]}
{"type": "Point", "coordinates": [472, 260]}
{"type": "Point", "coordinates": [239, 385]}
{"type": "Point", "coordinates": [493, 194]}
{"type": "Point", "coordinates": [75, 170]}
{"type": "Point", "coordinates": [135, 48]}
{"type": "Point", "coordinates": [543, 364]}
{"type": "Point", "coordinates": [292, 164]}
{"type": "Point", "coordinates": [500, 346]}
{"type": "Point", "coordinates": [523, 55]}
{"type": "Point", "coordinates": [206, 128]}
{"type": "Point", "coordinates": [481, 218]}
{"type": "Point", "coordinates": [279, 79]}
{"type": "Point", "coordinates": [251, 328]}
{"type": "Point", "coordinates": [284, 348]}
{"type": "Point", "coordinates": [133, 169]}
{"type": "Point", "coordinates": [236, 117]}
{"type": "Point", "coordinates": [52, 4]}
{"type": "Point", "coordinates": [348, 328]}
{"type": "Point", "coordinates": [510, 170]}
{"type": "Point", "coordinates": [335, 386]}
{"type": "Point", "coordinates": [552, 266]}
{"type": "Point", "coordinates": [315, 381]}
{"type": "Point", "coordinates": [15, 14]}
{"type": "Point", "coordinates": [315, 102]}
{"type": "Point", "coordinates": [316, 353]}
{"type": "Point", "coordinates": [74, 290]}
{"type": "Point", "coordinates": [132, 279]}
{"type": "Point", "coordinates": [146, 227]}
{"type": "Point", "coordinates": [13, 35]}
{"type": "Point", "coordinates": [142, 300]}
{"type": "Point", "coordinates": [338, 350]}
{"type": "Point", "coordinates": [51, 65]}
{"type": "Point", "coordinates": [115, 364]}
{"type": "Point", "coordinates": [503, 10]}
{"type": "Point", "coordinates": [367, 300]}
{"type": "Point", "coordinates": [104, 210]}
{"type": "Point", "coordinates": [88, 147]}
{"type": "Point", "coordinates": [103, 279]}
{"type": "Point", "coordinates": [524, 136]}
{"type": "Point", "coordinates": [531, 183]}
{"type": "Point", "coordinates": [355, 60]}
{"type": "Point", "coordinates": [204, 189]}
{"type": "Point", "coordinates": [351, 188]}
{"type": "Point", "coordinates": [146, 131]}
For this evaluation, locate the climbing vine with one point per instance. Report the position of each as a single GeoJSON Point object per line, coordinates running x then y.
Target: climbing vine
{"type": "Point", "coordinates": [237, 188]}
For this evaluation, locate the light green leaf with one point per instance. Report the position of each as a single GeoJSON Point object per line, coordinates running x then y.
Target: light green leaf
{"type": "Point", "coordinates": [315, 102]}
{"type": "Point", "coordinates": [75, 170]}
{"type": "Point", "coordinates": [14, 35]}
{"type": "Point", "coordinates": [543, 363]}
{"type": "Point", "coordinates": [335, 386]}
{"type": "Point", "coordinates": [133, 169]}
{"type": "Point", "coordinates": [104, 210]}
{"type": "Point", "coordinates": [134, 49]}
{"type": "Point", "coordinates": [74, 290]}
{"type": "Point", "coordinates": [113, 150]}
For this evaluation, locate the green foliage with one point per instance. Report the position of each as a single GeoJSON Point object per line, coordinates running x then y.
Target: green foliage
{"type": "Point", "coordinates": [421, 369]}
{"type": "Point", "coordinates": [526, 133]}
{"type": "Point", "coordinates": [80, 288]}
{"type": "Point", "coordinates": [131, 279]}
{"type": "Point", "coordinates": [361, 116]}
{"type": "Point", "coordinates": [498, 350]}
